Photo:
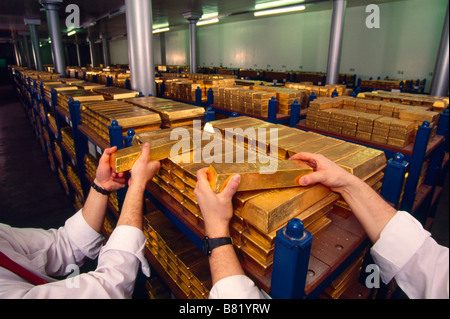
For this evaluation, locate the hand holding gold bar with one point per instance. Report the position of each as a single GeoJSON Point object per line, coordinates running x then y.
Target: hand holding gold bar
{"type": "Point", "coordinates": [287, 174]}
{"type": "Point", "coordinates": [123, 160]}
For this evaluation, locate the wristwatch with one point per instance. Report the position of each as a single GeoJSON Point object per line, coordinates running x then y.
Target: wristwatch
{"type": "Point", "coordinates": [210, 243]}
{"type": "Point", "coordinates": [100, 189]}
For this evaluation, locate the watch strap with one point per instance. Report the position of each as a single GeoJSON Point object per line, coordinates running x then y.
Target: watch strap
{"type": "Point", "coordinates": [210, 243]}
{"type": "Point", "coordinates": [100, 189]}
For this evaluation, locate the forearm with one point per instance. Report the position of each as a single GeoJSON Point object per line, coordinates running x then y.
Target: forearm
{"type": "Point", "coordinates": [132, 210]}
{"type": "Point", "coordinates": [223, 263]}
{"type": "Point", "coordinates": [372, 211]}
{"type": "Point", "coordinates": [94, 209]}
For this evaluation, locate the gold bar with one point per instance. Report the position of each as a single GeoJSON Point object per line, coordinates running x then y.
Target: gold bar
{"type": "Point", "coordinates": [364, 163]}
{"type": "Point", "coordinates": [315, 147]}
{"type": "Point", "coordinates": [123, 160]}
{"type": "Point", "coordinates": [274, 208]}
{"type": "Point", "coordinates": [340, 151]}
{"type": "Point", "coordinates": [287, 174]}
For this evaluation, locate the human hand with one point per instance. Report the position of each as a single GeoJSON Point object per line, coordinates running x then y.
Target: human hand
{"type": "Point", "coordinates": [105, 176]}
{"type": "Point", "coordinates": [326, 172]}
{"type": "Point", "coordinates": [216, 208]}
{"type": "Point", "coordinates": [143, 170]}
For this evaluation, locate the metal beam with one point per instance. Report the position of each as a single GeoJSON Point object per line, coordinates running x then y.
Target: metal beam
{"type": "Point", "coordinates": [334, 50]}
{"type": "Point", "coordinates": [439, 84]}
{"type": "Point", "coordinates": [52, 10]}
{"type": "Point", "coordinates": [140, 45]}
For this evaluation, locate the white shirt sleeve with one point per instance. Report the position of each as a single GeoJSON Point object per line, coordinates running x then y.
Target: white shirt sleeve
{"type": "Point", "coordinates": [115, 276]}
{"type": "Point", "coordinates": [406, 252]}
{"type": "Point", "coordinates": [236, 287]}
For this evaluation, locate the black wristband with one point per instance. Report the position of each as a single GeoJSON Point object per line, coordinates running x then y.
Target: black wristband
{"type": "Point", "coordinates": [210, 243]}
{"type": "Point", "coordinates": [100, 189]}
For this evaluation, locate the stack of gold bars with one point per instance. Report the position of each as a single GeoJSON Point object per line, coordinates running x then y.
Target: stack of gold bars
{"type": "Point", "coordinates": [77, 95]}
{"type": "Point", "coordinates": [433, 103]}
{"type": "Point", "coordinates": [320, 91]}
{"type": "Point", "coordinates": [89, 86]}
{"type": "Point", "coordinates": [113, 93]}
{"type": "Point", "coordinates": [172, 113]}
{"type": "Point", "coordinates": [184, 88]}
{"type": "Point", "coordinates": [378, 121]}
{"type": "Point", "coordinates": [259, 213]}
{"type": "Point", "coordinates": [99, 115]}
{"type": "Point", "coordinates": [58, 87]}
{"type": "Point", "coordinates": [285, 97]}
{"type": "Point", "coordinates": [67, 138]}
{"type": "Point", "coordinates": [178, 256]}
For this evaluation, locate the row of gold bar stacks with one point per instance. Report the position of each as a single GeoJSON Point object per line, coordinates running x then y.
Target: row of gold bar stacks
{"type": "Point", "coordinates": [259, 213]}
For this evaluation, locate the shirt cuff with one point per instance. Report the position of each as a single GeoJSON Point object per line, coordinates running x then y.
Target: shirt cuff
{"type": "Point", "coordinates": [235, 287]}
{"type": "Point", "coordinates": [83, 236]}
{"type": "Point", "coordinates": [398, 242]}
{"type": "Point", "coordinates": [132, 240]}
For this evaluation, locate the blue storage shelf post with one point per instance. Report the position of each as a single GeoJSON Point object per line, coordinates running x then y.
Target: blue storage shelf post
{"type": "Point", "coordinates": [290, 261]}
{"type": "Point", "coordinates": [198, 96]}
{"type": "Point", "coordinates": [109, 81]}
{"type": "Point", "coordinates": [210, 98]}
{"type": "Point", "coordinates": [394, 178]}
{"type": "Point", "coordinates": [312, 97]}
{"type": "Point", "coordinates": [443, 127]}
{"type": "Point", "coordinates": [127, 84]}
{"type": "Point", "coordinates": [80, 143]}
{"type": "Point", "coordinates": [209, 115]}
{"type": "Point", "coordinates": [115, 135]}
{"type": "Point", "coordinates": [162, 88]}
{"type": "Point", "coordinates": [129, 137]}
{"type": "Point", "coordinates": [273, 109]}
{"type": "Point", "coordinates": [415, 169]}
{"type": "Point", "coordinates": [116, 139]}
{"type": "Point", "coordinates": [295, 114]}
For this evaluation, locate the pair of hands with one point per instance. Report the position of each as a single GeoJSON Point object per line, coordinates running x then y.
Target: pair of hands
{"type": "Point", "coordinates": [142, 172]}
{"type": "Point", "coordinates": [217, 208]}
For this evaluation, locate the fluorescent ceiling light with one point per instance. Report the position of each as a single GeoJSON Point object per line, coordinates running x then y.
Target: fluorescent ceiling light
{"type": "Point", "coordinates": [280, 10]}
{"type": "Point", "coordinates": [72, 32]}
{"type": "Point", "coordinates": [274, 4]}
{"type": "Point", "coordinates": [161, 30]}
{"type": "Point", "coordinates": [203, 22]}
{"type": "Point", "coordinates": [207, 16]}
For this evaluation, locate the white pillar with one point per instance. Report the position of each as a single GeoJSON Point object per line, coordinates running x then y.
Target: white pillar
{"type": "Point", "coordinates": [140, 45]}
{"type": "Point", "coordinates": [334, 50]}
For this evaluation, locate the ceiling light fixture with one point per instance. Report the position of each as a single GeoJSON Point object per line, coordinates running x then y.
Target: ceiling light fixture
{"type": "Point", "coordinates": [72, 33]}
{"type": "Point", "coordinates": [210, 21]}
{"type": "Point", "coordinates": [274, 4]}
{"type": "Point", "coordinates": [280, 10]}
{"type": "Point", "coordinates": [161, 30]}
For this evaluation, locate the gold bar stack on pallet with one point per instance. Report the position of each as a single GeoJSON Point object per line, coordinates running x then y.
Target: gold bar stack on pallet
{"type": "Point", "coordinates": [259, 213]}
{"type": "Point", "coordinates": [99, 115]}
{"type": "Point", "coordinates": [172, 113]}
{"type": "Point", "coordinates": [113, 93]}
{"type": "Point", "coordinates": [186, 265]}
{"type": "Point", "coordinates": [373, 120]}
{"type": "Point", "coordinates": [77, 95]}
